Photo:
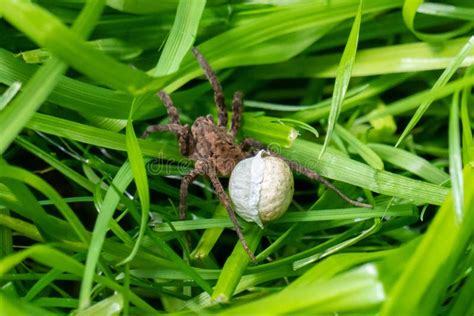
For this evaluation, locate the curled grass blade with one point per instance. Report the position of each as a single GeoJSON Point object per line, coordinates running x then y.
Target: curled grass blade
{"type": "Point", "coordinates": [343, 76]}
{"type": "Point", "coordinates": [411, 7]}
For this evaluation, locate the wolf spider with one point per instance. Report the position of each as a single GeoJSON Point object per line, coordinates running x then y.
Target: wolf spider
{"type": "Point", "coordinates": [214, 150]}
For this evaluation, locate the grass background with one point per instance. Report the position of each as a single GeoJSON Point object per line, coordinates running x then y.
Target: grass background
{"type": "Point", "coordinates": [88, 226]}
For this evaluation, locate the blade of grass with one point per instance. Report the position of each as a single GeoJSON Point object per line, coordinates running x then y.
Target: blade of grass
{"type": "Point", "coordinates": [467, 149]}
{"type": "Point", "coordinates": [296, 217]}
{"type": "Point", "coordinates": [447, 10]}
{"type": "Point", "coordinates": [121, 181]}
{"type": "Point", "coordinates": [362, 149]}
{"type": "Point", "coordinates": [343, 76]}
{"type": "Point", "coordinates": [235, 265]}
{"type": "Point", "coordinates": [140, 178]}
{"type": "Point", "coordinates": [384, 60]}
{"type": "Point", "coordinates": [338, 167]}
{"type": "Point", "coordinates": [17, 307]}
{"type": "Point", "coordinates": [56, 259]}
{"type": "Point", "coordinates": [37, 89]}
{"type": "Point", "coordinates": [442, 80]}
{"type": "Point", "coordinates": [78, 95]}
{"type": "Point", "coordinates": [99, 137]}
{"type": "Point", "coordinates": [181, 37]}
{"type": "Point", "coordinates": [50, 33]}
{"type": "Point", "coordinates": [435, 258]}
{"type": "Point", "coordinates": [412, 102]}
{"type": "Point", "coordinates": [43, 187]}
{"type": "Point", "coordinates": [411, 162]}
{"type": "Point", "coordinates": [254, 43]}
{"type": "Point", "coordinates": [409, 10]}
{"type": "Point", "coordinates": [8, 95]}
{"type": "Point", "coordinates": [455, 158]}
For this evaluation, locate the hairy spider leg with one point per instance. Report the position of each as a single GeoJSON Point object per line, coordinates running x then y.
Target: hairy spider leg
{"type": "Point", "coordinates": [170, 108]}
{"type": "Point", "coordinates": [182, 131]}
{"type": "Point", "coordinates": [224, 198]}
{"type": "Point", "coordinates": [216, 86]}
{"type": "Point", "coordinates": [183, 191]}
{"type": "Point", "coordinates": [315, 176]}
{"type": "Point", "coordinates": [249, 143]}
{"type": "Point", "coordinates": [237, 109]}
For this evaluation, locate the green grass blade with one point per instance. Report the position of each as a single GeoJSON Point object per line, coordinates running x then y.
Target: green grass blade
{"type": "Point", "coordinates": [254, 43]}
{"type": "Point", "coordinates": [447, 10]}
{"type": "Point", "coordinates": [36, 91]}
{"type": "Point", "coordinates": [112, 306]}
{"type": "Point", "coordinates": [412, 102]}
{"type": "Point", "coordinates": [343, 76]}
{"type": "Point", "coordinates": [181, 264]}
{"type": "Point", "coordinates": [411, 162]}
{"type": "Point", "coordinates": [98, 136]}
{"type": "Point", "coordinates": [295, 217]}
{"type": "Point", "coordinates": [78, 95]}
{"type": "Point", "coordinates": [121, 181]}
{"type": "Point", "coordinates": [45, 188]}
{"type": "Point", "coordinates": [442, 80]}
{"type": "Point", "coordinates": [181, 37]}
{"type": "Point", "coordinates": [14, 306]}
{"type": "Point", "coordinates": [56, 259]}
{"type": "Point", "coordinates": [141, 181]}
{"type": "Point", "coordinates": [467, 148]}
{"type": "Point", "coordinates": [48, 32]}
{"type": "Point", "coordinates": [411, 7]}
{"type": "Point", "coordinates": [338, 167]}
{"type": "Point", "coordinates": [435, 258]}
{"type": "Point", "coordinates": [388, 59]}
{"type": "Point", "coordinates": [235, 265]}
{"type": "Point", "coordinates": [8, 95]}
{"type": "Point", "coordinates": [362, 149]}
{"type": "Point", "coordinates": [455, 158]}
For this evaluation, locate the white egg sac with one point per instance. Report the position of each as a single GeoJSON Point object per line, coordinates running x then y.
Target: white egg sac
{"type": "Point", "coordinates": [261, 188]}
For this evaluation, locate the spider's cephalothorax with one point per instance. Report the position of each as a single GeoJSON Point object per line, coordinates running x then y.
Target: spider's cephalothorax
{"type": "Point", "coordinates": [214, 150]}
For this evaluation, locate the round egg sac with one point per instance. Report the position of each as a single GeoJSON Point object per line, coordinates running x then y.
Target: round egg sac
{"type": "Point", "coordinates": [261, 188]}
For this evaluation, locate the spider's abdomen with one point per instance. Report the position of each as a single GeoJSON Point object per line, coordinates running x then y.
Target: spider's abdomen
{"type": "Point", "coordinates": [215, 145]}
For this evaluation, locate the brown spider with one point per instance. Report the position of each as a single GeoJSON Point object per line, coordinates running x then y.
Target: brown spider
{"type": "Point", "coordinates": [214, 150]}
